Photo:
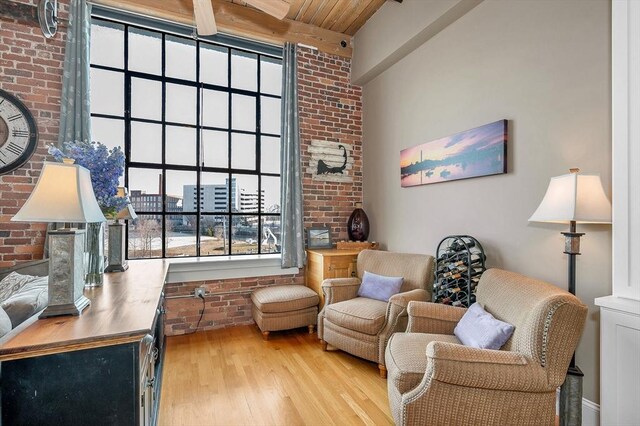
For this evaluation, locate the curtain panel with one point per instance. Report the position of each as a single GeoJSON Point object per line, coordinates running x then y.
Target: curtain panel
{"type": "Point", "coordinates": [75, 112]}
{"type": "Point", "coordinates": [292, 234]}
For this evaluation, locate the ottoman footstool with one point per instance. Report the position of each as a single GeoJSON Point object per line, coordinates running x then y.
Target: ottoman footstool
{"type": "Point", "coordinates": [284, 307]}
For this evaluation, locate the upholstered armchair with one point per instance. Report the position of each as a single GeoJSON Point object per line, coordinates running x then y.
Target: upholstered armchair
{"type": "Point", "coordinates": [362, 326]}
{"type": "Point", "coordinates": [435, 380]}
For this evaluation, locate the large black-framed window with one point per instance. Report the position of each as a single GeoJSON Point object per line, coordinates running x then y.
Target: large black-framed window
{"type": "Point", "coordinates": [199, 122]}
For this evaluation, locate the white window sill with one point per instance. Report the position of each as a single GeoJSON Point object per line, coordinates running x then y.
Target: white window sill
{"type": "Point", "coordinates": [225, 267]}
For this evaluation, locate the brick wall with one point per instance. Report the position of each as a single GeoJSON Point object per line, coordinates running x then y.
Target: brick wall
{"type": "Point", "coordinates": [30, 69]}
{"type": "Point", "coordinates": [228, 302]}
{"type": "Point", "coordinates": [330, 109]}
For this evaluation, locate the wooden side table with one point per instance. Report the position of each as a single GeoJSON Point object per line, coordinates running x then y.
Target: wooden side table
{"type": "Point", "coordinates": [329, 263]}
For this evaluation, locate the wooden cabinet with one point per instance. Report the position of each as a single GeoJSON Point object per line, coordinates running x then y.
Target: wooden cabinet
{"type": "Point", "coordinates": [102, 367]}
{"type": "Point", "coordinates": [329, 263]}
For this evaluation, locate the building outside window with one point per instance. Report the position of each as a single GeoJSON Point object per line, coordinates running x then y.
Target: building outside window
{"type": "Point", "coordinates": [199, 122]}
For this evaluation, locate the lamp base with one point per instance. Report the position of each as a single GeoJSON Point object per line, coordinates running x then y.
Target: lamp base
{"type": "Point", "coordinates": [571, 398]}
{"type": "Point", "coordinates": [117, 268]}
{"type": "Point", "coordinates": [66, 273]}
{"type": "Point", "coordinates": [116, 258]}
{"type": "Point", "coordinates": [74, 308]}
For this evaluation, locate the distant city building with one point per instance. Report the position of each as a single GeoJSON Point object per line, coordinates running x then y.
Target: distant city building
{"type": "Point", "coordinates": [212, 198]}
{"type": "Point", "coordinates": [143, 202]}
{"type": "Point", "coordinates": [249, 201]}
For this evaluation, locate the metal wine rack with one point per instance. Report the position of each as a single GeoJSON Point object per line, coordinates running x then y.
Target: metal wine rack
{"type": "Point", "coordinates": [459, 265]}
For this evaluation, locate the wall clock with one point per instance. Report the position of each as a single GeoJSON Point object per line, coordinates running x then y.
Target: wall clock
{"type": "Point", "coordinates": [18, 133]}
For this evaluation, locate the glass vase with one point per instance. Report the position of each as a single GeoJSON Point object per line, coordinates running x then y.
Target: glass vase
{"type": "Point", "coordinates": [94, 251]}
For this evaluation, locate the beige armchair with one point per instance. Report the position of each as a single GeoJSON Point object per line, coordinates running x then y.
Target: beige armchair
{"type": "Point", "coordinates": [362, 326]}
{"type": "Point", "coordinates": [435, 380]}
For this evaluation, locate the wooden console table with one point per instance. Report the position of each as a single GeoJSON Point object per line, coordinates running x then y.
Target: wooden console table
{"type": "Point", "coordinates": [329, 263]}
{"type": "Point", "coordinates": [102, 367]}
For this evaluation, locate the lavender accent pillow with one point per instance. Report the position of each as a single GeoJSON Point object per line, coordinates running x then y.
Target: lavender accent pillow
{"type": "Point", "coordinates": [479, 329]}
{"type": "Point", "coordinates": [379, 287]}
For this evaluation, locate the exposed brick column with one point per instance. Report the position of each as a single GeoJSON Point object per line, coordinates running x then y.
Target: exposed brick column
{"type": "Point", "coordinates": [330, 110]}
{"type": "Point", "coordinates": [31, 70]}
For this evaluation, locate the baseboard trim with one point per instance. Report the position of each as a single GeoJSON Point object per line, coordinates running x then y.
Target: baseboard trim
{"type": "Point", "coordinates": [590, 411]}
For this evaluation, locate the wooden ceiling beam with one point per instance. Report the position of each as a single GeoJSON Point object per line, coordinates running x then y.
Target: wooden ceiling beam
{"type": "Point", "coordinates": [241, 21]}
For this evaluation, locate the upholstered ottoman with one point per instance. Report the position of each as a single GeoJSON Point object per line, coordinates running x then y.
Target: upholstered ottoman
{"type": "Point", "coordinates": [284, 307]}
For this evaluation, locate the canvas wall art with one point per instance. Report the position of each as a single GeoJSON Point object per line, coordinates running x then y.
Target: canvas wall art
{"type": "Point", "coordinates": [481, 151]}
{"type": "Point", "coordinates": [331, 161]}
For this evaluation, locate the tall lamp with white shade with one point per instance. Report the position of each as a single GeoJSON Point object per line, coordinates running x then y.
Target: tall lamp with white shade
{"type": "Point", "coordinates": [63, 194]}
{"type": "Point", "coordinates": [571, 199]}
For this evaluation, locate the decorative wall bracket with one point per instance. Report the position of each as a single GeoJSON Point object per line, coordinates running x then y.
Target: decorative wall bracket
{"type": "Point", "coordinates": [48, 17]}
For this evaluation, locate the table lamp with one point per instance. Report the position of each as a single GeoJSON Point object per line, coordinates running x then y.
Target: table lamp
{"type": "Point", "coordinates": [117, 261]}
{"type": "Point", "coordinates": [572, 199]}
{"type": "Point", "coordinates": [63, 194]}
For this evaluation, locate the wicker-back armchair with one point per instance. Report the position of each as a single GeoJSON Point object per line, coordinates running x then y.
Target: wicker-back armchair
{"type": "Point", "coordinates": [362, 326]}
{"type": "Point", "coordinates": [435, 380]}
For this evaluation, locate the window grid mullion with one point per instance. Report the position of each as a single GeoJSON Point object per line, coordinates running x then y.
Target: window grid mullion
{"type": "Point", "coordinates": [166, 212]}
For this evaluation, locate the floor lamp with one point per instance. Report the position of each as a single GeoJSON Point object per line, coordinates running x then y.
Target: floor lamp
{"type": "Point", "coordinates": [572, 199]}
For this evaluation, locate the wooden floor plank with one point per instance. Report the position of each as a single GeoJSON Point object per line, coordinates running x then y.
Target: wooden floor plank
{"type": "Point", "coordinates": [232, 377]}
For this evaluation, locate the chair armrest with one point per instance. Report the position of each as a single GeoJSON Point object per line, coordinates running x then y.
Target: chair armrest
{"type": "Point", "coordinates": [403, 299]}
{"type": "Point", "coordinates": [396, 316]}
{"type": "Point", "coordinates": [433, 318]}
{"type": "Point", "coordinates": [484, 368]}
{"type": "Point", "coordinates": [339, 289]}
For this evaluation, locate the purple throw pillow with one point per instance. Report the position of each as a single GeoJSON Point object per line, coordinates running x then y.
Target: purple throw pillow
{"type": "Point", "coordinates": [479, 329]}
{"type": "Point", "coordinates": [379, 287]}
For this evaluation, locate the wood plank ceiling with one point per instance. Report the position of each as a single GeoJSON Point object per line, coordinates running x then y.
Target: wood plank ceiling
{"type": "Point", "coordinates": [343, 16]}
{"type": "Point", "coordinates": [325, 24]}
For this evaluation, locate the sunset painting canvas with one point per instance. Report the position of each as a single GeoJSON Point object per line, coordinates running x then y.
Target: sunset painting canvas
{"type": "Point", "coordinates": [481, 151]}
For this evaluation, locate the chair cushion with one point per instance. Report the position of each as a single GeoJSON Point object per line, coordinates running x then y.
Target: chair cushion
{"type": "Point", "coordinates": [284, 298]}
{"type": "Point", "coordinates": [360, 314]}
{"type": "Point", "coordinates": [479, 329]}
{"type": "Point", "coordinates": [406, 357]}
{"type": "Point", "coordinates": [379, 287]}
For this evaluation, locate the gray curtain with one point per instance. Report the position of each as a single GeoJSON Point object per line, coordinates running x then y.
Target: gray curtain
{"type": "Point", "coordinates": [75, 112]}
{"type": "Point", "coordinates": [292, 234]}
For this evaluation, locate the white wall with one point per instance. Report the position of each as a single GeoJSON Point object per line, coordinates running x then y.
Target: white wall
{"type": "Point", "coordinates": [544, 66]}
{"type": "Point", "coordinates": [397, 29]}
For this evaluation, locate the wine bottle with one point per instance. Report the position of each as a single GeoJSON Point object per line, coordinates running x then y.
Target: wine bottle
{"type": "Point", "coordinates": [461, 245]}
{"type": "Point", "coordinates": [473, 259]}
{"type": "Point", "coordinates": [448, 256]}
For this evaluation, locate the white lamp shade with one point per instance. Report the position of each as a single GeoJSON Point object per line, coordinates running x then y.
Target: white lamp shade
{"type": "Point", "coordinates": [574, 197]}
{"type": "Point", "coordinates": [63, 194]}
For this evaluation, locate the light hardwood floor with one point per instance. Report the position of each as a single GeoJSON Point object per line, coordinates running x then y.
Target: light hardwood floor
{"type": "Point", "coordinates": [233, 377]}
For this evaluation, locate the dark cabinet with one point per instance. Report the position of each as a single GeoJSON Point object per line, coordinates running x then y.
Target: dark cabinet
{"type": "Point", "coordinates": [101, 368]}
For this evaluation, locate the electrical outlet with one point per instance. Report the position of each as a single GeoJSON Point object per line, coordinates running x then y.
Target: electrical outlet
{"type": "Point", "coordinates": [200, 291]}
